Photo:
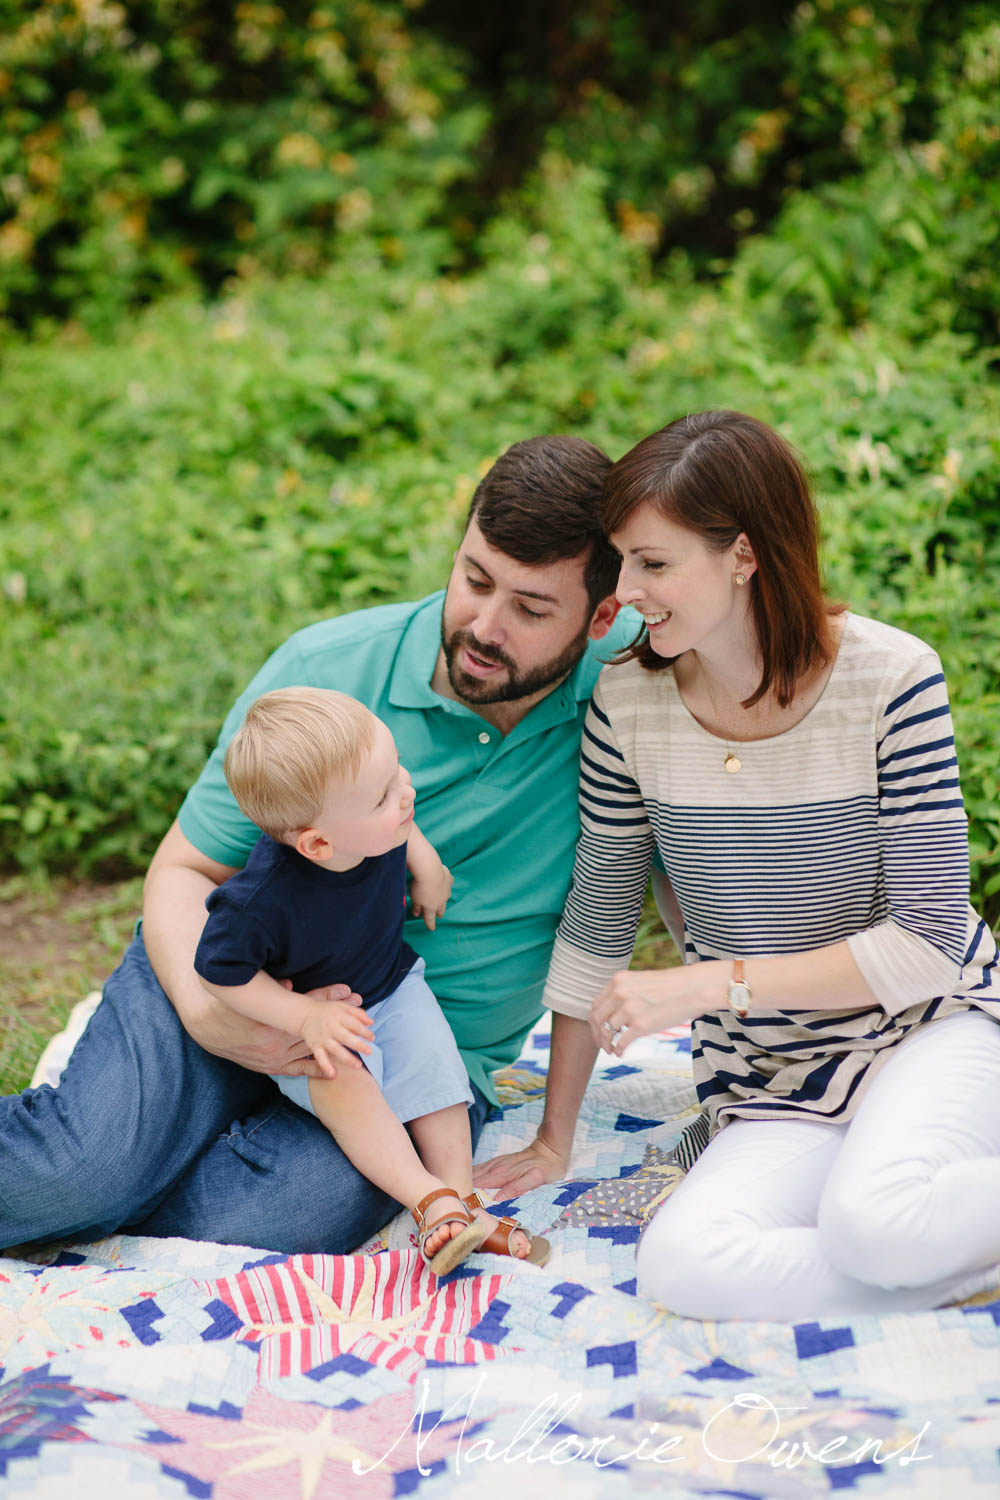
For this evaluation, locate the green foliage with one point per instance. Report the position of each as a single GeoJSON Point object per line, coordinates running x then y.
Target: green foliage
{"type": "Point", "coordinates": [176, 498]}
{"type": "Point", "coordinates": [174, 505]}
{"type": "Point", "coordinates": [155, 144]}
{"type": "Point", "coordinates": [704, 123]}
{"type": "Point", "coordinates": [149, 145]}
{"type": "Point", "coordinates": [911, 245]}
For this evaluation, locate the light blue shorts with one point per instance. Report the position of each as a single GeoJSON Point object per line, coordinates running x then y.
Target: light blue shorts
{"type": "Point", "coordinates": [414, 1059]}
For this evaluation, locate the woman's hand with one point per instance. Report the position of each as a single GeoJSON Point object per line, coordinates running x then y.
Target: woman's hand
{"type": "Point", "coordinates": [522, 1170]}
{"type": "Point", "coordinates": [640, 1002]}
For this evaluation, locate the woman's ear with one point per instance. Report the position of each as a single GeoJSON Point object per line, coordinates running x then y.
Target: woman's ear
{"type": "Point", "coordinates": [744, 561]}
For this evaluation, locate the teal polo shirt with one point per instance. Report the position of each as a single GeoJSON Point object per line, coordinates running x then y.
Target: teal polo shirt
{"type": "Point", "coordinates": [501, 810]}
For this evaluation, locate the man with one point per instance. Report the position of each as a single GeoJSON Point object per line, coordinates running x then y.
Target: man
{"type": "Point", "coordinates": [160, 1128]}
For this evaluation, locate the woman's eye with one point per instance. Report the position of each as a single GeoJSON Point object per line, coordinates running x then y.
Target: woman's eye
{"type": "Point", "coordinates": [476, 583]}
{"type": "Point", "coordinates": [649, 566]}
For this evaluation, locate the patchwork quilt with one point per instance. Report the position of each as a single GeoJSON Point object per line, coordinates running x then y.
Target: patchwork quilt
{"type": "Point", "coordinates": [135, 1369]}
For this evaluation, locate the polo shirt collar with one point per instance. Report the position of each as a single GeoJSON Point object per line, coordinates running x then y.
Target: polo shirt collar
{"type": "Point", "coordinates": [410, 684]}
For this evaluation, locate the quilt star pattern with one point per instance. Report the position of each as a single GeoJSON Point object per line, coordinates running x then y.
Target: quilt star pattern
{"type": "Point", "coordinates": [145, 1369]}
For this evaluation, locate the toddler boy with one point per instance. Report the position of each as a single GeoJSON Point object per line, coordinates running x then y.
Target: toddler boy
{"type": "Point", "coordinates": [321, 902]}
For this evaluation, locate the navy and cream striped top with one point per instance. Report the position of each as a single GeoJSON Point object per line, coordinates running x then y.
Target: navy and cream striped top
{"type": "Point", "coordinates": [849, 825]}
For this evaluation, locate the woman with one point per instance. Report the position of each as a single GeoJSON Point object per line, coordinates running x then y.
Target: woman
{"type": "Point", "coordinates": [793, 767]}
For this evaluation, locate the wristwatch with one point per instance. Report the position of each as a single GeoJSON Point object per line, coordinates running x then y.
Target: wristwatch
{"type": "Point", "coordinates": [740, 996]}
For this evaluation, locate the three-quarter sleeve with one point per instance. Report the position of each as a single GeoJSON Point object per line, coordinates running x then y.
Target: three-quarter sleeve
{"type": "Point", "coordinates": [597, 932]}
{"type": "Point", "coordinates": [918, 950]}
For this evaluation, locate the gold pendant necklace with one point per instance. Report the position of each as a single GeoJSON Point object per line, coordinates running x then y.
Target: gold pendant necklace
{"type": "Point", "coordinates": [732, 762]}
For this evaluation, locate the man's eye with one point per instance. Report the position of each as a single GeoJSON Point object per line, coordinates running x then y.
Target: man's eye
{"type": "Point", "coordinates": [533, 614]}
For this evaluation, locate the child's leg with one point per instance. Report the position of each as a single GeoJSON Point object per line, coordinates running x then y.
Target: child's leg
{"type": "Point", "coordinates": [426, 1085]}
{"type": "Point", "coordinates": [445, 1147]}
{"type": "Point", "coordinates": [352, 1108]}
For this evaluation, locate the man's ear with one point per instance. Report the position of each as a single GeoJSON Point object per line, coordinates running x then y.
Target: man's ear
{"type": "Point", "coordinates": [312, 844]}
{"type": "Point", "coordinates": [603, 618]}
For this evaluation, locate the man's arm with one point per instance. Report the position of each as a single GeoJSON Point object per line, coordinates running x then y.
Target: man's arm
{"type": "Point", "coordinates": [178, 880]}
{"type": "Point", "coordinates": [333, 1029]}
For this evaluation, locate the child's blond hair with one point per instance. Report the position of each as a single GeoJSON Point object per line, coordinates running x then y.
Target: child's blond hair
{"type": "Point", "coordinates": [292, 744]}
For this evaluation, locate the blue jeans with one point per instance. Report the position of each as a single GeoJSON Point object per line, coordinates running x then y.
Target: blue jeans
{"type": "Point", "coordinates": [149, 1133]}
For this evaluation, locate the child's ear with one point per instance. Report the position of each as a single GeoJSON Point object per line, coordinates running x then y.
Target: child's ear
{"type": "Point", "coordinates": [313, 844]}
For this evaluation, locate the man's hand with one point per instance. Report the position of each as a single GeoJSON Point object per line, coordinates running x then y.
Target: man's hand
{"type": "Point", "coordinates": [520, 1171]}
{"type": "Point", "coordinates": [262, 1049]}
{"type": "Point", "coordinates": [337, 1029]}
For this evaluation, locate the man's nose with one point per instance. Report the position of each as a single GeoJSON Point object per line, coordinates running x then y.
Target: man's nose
{"type": "Point", "coordinates": [488, 625]}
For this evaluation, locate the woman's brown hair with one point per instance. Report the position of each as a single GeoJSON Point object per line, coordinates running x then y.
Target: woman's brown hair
{"type": "Point", "coordinates": [721, 473]}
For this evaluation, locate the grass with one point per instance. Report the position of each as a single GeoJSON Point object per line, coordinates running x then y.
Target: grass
{"type": "Point", "coordinates": [58, 941]}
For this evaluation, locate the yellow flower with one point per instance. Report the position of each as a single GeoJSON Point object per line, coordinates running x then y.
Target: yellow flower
{"type": "Point", "coordinates": [300, 150]}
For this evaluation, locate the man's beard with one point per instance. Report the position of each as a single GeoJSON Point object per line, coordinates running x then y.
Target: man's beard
{"type": "Point", "coordinates": [516, 684]}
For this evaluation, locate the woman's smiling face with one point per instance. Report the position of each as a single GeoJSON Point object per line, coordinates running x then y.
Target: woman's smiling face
{"type": "Point", "coordinates": [683, 588]}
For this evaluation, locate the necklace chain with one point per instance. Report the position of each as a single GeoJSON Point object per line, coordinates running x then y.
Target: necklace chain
{"type": "Point", "coordinates": [732, 762]}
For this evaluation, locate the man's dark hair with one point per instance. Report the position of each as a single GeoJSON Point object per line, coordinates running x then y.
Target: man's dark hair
{"type": "Point", "coordinates": [540, 503]}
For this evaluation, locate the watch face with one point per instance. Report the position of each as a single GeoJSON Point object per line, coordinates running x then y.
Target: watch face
{"type": "Point", "coordinates": [739, 997]}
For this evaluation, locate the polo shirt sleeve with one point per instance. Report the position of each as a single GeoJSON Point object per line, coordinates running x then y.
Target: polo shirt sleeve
{"type": "Point", "coordinates": [233, 946]}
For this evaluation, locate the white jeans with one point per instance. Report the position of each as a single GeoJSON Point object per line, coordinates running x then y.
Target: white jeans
{"type": "Point", "coordinates": [897, 1211]}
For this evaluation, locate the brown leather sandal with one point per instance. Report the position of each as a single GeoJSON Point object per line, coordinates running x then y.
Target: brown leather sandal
{"type": "Point", "coordinates": [498, 1241]}
{"type": "Point", "coordinates": [453, 1251]}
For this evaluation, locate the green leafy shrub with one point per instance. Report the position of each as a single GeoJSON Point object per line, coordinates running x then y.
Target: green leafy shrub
{"type": "Point", "coordinates": [174, 504]}
{"type": "Point", "coordinates": [154, 144]}
{"type": "Point", "coordinates": [911, 244]}
{"type": "Point", "coordinates": [150, 145]}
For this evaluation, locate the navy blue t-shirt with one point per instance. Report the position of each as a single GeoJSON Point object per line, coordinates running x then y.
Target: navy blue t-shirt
{"type": "Point", "coordinates": [296, 920]}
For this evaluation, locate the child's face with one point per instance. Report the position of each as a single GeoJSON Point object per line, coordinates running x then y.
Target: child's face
{"type": "Point", "coordinates": [371, 814]}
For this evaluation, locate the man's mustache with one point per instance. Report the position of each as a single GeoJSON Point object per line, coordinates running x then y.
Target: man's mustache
{"type": "Point", "coordinates": [485, 653]}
